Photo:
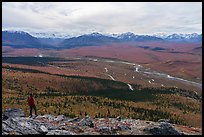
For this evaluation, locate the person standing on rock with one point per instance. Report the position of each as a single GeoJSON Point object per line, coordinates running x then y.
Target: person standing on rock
{"type": "Point", "coordinates": [31, 104]}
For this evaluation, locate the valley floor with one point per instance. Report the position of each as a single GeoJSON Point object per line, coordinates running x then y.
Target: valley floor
{"type": "Point", "coordinates": [100, 88]}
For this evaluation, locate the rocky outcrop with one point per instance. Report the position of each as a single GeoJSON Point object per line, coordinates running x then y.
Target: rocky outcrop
{"type": "Point", "coordinates": [163, 129]}
{"type": "Point", "coordinates": [15, 123]}
{"type": "Point", "coordinates": [87, 121]}
{"type": "Point", "coordinates": [12, 113]}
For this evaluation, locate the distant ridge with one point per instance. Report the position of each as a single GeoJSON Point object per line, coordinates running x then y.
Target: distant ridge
{"type": "Point", "coordinates": [21, 39]}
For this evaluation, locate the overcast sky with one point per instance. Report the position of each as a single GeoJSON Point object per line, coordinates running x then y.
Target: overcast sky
{"type": "Point", "coordinates": [110, 17]}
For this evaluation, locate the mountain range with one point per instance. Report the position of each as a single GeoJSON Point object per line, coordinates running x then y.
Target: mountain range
{"type": "Point", "coordinates": [20, 39]}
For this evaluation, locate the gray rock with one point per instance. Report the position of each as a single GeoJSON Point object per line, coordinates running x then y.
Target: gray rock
{"type": "Point", "coordinates": [41, 129]}
{"type": "Point", "coordinates": [22, 128]}
{"type": "Point", "coordinates": [72, 120]}
{"type": "Point", "coordinates": [6, 128]}
{"type": "Point", "coordinates": [123, 127]}
{"type": "Point", "coordinates": [33, 124]}
{"type": "Point", "coordinates": [4, 133]}
{"type": "Point", "coordinates": [87, 121]}
{"type": "Point", "coordinates": [50, 126]}
{"type": "Point", "coordinates": [12, 112]}
{"type": "Point", "coordinates": [73, 128]}
{"type": "Point", "coordinates": [118, 118]}
{"type": "Point", "coordinates": [77, 129]}
{"type": "Point", "coordinates": [107, 131]}
{"type": "Point", "coordinates": [60, 132]}
{"type": "Point", "coordinates": [60, 118]}
{"type": "Point", "coordinates": [164, 120]}
{"type": "Point", "coordinates": [44, 129]}
{"type": "Point", "coordinates": [163, 129]}
{"type": "Point", "coordinates": [25, 126]}
{"type": "Point", "coordinates": [49, 117]}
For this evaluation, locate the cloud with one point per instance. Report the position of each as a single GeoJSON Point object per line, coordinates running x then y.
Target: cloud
{"type": "Point", "coordinates": [106, 17]}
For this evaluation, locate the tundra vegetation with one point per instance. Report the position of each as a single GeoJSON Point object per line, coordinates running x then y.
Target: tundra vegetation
{"type": "Point", "coordinates": [77, 96]}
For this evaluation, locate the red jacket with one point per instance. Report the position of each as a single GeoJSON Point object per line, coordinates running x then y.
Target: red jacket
{"type": "Point", "coordinates": [31, 101]}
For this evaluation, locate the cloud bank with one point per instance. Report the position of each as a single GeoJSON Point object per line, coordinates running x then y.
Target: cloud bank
{"type": "Point", "coordinates": [77, 18]}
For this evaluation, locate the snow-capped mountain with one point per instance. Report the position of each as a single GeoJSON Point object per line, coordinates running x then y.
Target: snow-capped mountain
{"type": "Point", "coordinates": [161, 35]}
{"type": "Point", "coordinates": [175, 35]}
{"type": "Point", "coordinates": [194, 37]}
{"type": "Point", "coordinates": [113, 35]}
{"type": "Point", "coordinates": [18, 39]}
{"type": "Point", "coordinates": [49, 35]}
{"type": "Point", "coordinates": [95, 34]}
{"type": "Point", "coordinates": [40, 34]}
{"type": "Point", "coordinates": [93, 39]}
{"type": "Point", "coordinates": [16, 32]}
{"type": "Point", "coordinates": [189, 36]}
{"type": "Point", "coordinates": [129, 36]}
{"type": "Point", "coordinates": [31, 39]}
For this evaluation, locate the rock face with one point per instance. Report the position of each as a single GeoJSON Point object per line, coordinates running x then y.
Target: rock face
{"type": "Point", "coordinates": [107, 131]}
{"type": "Point", "coordinates": [164, 129]}
{"type": "Point", "coordinates": [11, 113]}
{"type": "Point", "coordinates": [14, 122]}
{"type": "Point", "coordinates": [87, 121]}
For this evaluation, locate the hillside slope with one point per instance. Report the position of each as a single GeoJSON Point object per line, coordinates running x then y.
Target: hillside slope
{"type": "Point", "coordinates": [15, 123]}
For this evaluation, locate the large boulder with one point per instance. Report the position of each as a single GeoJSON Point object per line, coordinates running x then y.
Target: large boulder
{"type": "Point", "coordinates": [24, 126]}
{"type": "Point", "coordinates": [164, 128]}
{"type": "Point", "coordinates": [12, 113]}
{"type": "Point", "coordinates": [87, 121]}
{"type": "Point", "coordinates": [16, 125]}
{"type": "Point", "coordinates": [104, 130]}
{"type": "Point", "coordinates": [124, 127]}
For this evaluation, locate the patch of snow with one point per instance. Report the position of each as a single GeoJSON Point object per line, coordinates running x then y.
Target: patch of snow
{"type": "Point", "coordinates": [136, 69]}
{"type": "Point", "coordinates": [111, 77]}
{"type": "Point", "coordinates": [77, 58]}
{"type": "Point", "coordinates": [169, 76]}
{"type": "Point", "coordinates": [109, 61]}
{"type": "Point", "coordinates": [106, 69]}
{"type": "Point", "coordinates": [126, 63]}
{"type": "Point", "coordinates": [130, 87]}
{"type": "Point", "coordinates": [40, 55]}
{"type": "Point", "coordinates": [146, 72]}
